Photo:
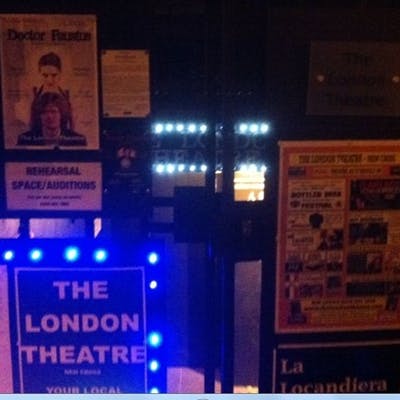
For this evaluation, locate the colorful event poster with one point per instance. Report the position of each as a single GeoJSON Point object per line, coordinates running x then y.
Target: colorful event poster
{"type": "Point", "coordinates": [53, 186]}
{"type": "Point", "coordinates": [80, 330]}
{"type": "Point", "coordinates": [6, 381]}
{"type": "Point", "coordinates": [49, 81]}
{"type": "Point", "coordinates": [338, 255]}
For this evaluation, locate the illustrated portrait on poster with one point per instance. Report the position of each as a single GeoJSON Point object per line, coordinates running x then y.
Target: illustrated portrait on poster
{"type": "Point", "coordinates": [49, 81]}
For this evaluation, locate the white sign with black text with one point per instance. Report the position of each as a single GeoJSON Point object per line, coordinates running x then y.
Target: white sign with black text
{"type": "Point", "coordinates": [56, 186]}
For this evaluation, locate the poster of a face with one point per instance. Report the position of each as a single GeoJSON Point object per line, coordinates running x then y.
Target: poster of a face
{"type": "Point", "coordinates": [49, 81]}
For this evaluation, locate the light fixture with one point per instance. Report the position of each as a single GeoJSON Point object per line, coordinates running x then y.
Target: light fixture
{"type": "Point", "coordinates": [100, 255]}
{"type": "Point", "coordinates": [154, 339]}
{"type": "Point", "coordinates": [8, 255]}
{"type": "Point", "coordinates": [154, 365]}
{"type": "Point", "coordinates": [251, 128]}
{"type": "Point", "coordinates": [153, 258]}
{"type": "Point", "coordinates": [179, 127]}
{"type": "Point", "coordinates": [71, 253]}
{"type": "Point", "coordinates": [153, 284]}
{"type": "Point", "coordinates": [35, 255]}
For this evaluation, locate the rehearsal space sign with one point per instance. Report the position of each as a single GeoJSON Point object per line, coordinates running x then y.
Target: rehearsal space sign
{"type": "Point", "coordinates": [80, 330]}
{"type": "Point", "coordinates": [57, 186]}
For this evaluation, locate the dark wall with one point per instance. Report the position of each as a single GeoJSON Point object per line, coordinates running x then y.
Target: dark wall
{"type": "Point", "coordinates": [290, 32]}
{"type": "Point", "coordinates": [230, 57]}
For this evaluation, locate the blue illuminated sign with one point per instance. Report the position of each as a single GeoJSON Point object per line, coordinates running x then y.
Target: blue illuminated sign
{"type": "Point", "coordinates": [81, 330]}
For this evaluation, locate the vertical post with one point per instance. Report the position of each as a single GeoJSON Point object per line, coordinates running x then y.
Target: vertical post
{"type": "Point", "coordinates": [211, 61]}
{"type": "Point", "coordinates": [23, 229]}
{"type": "Point", "coordinates": [210, 281]}
{"type": "Point", "coordinates": [227, 209]}
{"type": "Point", "coordinates": [220, 260]}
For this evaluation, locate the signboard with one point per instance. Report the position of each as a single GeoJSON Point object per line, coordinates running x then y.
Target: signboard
{"type": "Point", "coordinates": [81, 330]}
{"type": "Point", "coordinates": [49, 81]}
{"type": "Point", "coordinates": [371, 367]}
{"type": "Point", "coordinates": [249, 148]}
{"type": "Point", "coordinates": [178, 149]}
{"type": "Point", "coordinates": [55, 186]}
{"type": "Point", "coordinates": [127, 174]}
{"type": "Point", "coordinates": [6, 382]}
{"type": "Point", "coordinates": [354, 78]}
{"type": "Point", "coordinates": [125, 83]}
{"type": "Point", "coordinates": [338, 236]}
{"type": "Point", "coordinates": [193, 148]}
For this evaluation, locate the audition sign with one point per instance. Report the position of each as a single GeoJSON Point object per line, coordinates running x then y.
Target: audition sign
{"type": "Point", "coordinates": [80, 330]}
{"type": "Point", "coordinates": [58, 186]}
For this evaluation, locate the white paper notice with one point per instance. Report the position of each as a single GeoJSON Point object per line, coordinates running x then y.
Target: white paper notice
{"type": "Point", "coordinates": [125, 83]}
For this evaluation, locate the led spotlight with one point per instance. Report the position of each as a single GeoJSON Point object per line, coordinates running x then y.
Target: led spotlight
{"type": "Point", "coordinates": [243, 128]}
{"type": "Point", "coordinates": [252, 167]}
{"type": "Point", "coordinates": [170, 168]}
{"type": "Point", "coordinates": [181, 167]}
{"type": "Point", "coordinates": [35, 255]}
{"type": "Point", "coordinates": [169, 127]}
{"type": "Point", "coordinates": [100, 255]}
{"type": "Point", "coordinates": [203, 128]}
{"type": "Point", "coordinates": [153, 284]}
{"type": "Point", "coordinates": [192, 128]}
{"type": "Point", "coordinates": [153, 258]}
{"type": "Point", "coordinates": [8, 255]}
{"type": "Point", "coordinates": [203, 168]}
{"type": "Point", "coordinates": [154, 339]}
{"type": "Point", "coordinates": [154, 390]}
{"type": "Point", "coordinates": [71, 254]}
{"type": "Point", "coordinates": [180, 127]}
{"type": "Point", "coordinates": [158, 128]}
{"type": "Point", "coordinates": [264, 128]}
{"type": "Point", "coordinates": [192, 168]}
{"type": "Point", "coordinates": [154, 365]}
{"type": "Point", "coordinates": [254, 128]}
{"type": "Point", "coordinates": [160, 168]}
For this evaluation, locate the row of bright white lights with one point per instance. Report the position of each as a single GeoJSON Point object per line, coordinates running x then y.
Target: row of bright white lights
{"type": "Point", "coordinates": [179, 127]}
{"type": "Point", "coordinates": [172, 168]}
{"type": "Point", "coordinates": [191, 127]}
{"type": "Point", "coordinates": [252, 128]}
{"type": "Point", "coordinates": [252, 168]}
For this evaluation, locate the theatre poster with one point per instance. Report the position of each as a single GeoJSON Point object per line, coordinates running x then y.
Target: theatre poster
{"type": "Point", "coordinates": [42, 54]}
{"type": "Point", "coordinates": [79, 330]}
{"type": "Point", "coordinates": [338, 248]}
